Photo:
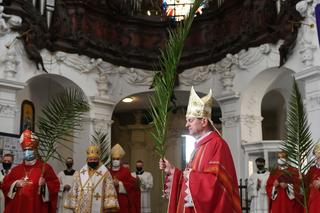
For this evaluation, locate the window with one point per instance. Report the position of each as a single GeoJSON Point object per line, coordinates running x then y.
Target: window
{"type": "Point", "coordinates": [187, 148]}
{"type": "Point", "coordinates": [178, 9]}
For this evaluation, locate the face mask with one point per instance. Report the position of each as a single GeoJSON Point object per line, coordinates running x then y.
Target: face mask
{"type": "Point", "coordinates": [28, 155]}
{"type": "Point", "coordinates": [93, 165]}
{"type": "Point", "coordinates": [6, 166]}
{"type": "Point", "coordinates": [116, 163]}
{"type": "Point", "coordinates": [139, 169]}
{"type": "Point", "coordinates": [260, 167]}
{"type": "Point", "coordinates": [69, 165]}
{"type": "Point", "coordinates": [281, 161]}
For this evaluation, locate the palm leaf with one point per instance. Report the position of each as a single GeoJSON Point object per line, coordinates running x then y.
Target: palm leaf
{"type": "Point", "coordinates": [298, 143]}
{"type": "Point", "coordinates": [60, 119]}
{"type": "Point", "coordinates": [163, 81]}
{"type": "Point", "coordinates": [101, 139]}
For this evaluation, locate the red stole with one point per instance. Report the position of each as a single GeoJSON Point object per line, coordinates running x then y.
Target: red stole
{"type": "Point", "coordinates": [212, 181]}
{"type": "Point", "coordinates": [282, 203]}
{"type": "Point", "coordinates": [314, 193]}
{"type": "Point", "coordinates": [27, 199]}
{"type": "Point", "coordinates": [130, 202]}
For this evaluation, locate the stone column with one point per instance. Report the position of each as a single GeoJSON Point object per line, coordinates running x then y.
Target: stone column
{"type": "Point", "coordinates": [310, 82]}
{"type": "Point", "coordinates": [230, 107]}
{"type": "Point", "coordinates": [8, 106]}
{"type": "Point", "coordinates": [99, 118]}
{"type": "Point", "coordinates": [138, 141]}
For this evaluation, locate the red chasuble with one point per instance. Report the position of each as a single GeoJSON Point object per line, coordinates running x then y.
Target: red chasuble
{"type": "Point", "coordinates": [130, 202]}
{"type": "Point", "coordinates": [280, 202]}
{"type": "Point", "coordinates": [314, 193]}
{"type": "Point", "coordinates": [212, 181]}
{"type": "Point", "coordinates": [27, 199]}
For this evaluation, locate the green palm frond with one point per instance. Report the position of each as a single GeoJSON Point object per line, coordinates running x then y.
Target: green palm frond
{"type": "Point", "coordinates": [101, 139]}
{"type": "Point", "coordinates": [59, 121]}
{"type": "Point", "coordinates": [298, 143]}
{"type": "Point", "coordinates": [164, 80]}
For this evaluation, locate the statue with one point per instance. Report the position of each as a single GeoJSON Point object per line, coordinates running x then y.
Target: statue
{"type": "Point", "coordinates": [3, 25]}
{"type": "Point", "coordinates": [31, 38]}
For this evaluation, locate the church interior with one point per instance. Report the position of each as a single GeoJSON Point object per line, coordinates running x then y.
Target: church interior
{"type": "Point", "coordinates": [248, 52]}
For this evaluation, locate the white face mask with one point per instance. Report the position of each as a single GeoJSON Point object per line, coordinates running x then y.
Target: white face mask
{"type": "Point", "coordinates": [116, 163]}
{"type": "Point", "coordinates": [281, 161]}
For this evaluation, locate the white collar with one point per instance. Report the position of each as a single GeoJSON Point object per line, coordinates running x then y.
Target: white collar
{"type": "Point", "coordinates": [203, 136]}
{"type": "Point", "coordinates": [116, 168]}
{"type": "Point", "coordinates": [30, 163]}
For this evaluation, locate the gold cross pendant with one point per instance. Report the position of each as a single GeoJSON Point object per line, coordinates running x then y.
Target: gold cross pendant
{"type": "Point", "coordinates": [97, 196]}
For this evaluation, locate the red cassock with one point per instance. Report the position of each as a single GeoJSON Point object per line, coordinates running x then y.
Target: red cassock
{"type": "Point", "coordinates": [282, 203]}
{"type": "Point", "coordinates": [130, 202]}
{"type": "Point", "coordinates": [28, 199]}
{"type": "Point", "coordinates": [314, 193]}
{"type": "Point", "coordinates": [212, 181]}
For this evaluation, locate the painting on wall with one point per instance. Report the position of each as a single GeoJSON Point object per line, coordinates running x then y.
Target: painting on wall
{"type": "Point", "coordinates": [27, 116]}
{"type": "Point", "coordinates": [9, 143]}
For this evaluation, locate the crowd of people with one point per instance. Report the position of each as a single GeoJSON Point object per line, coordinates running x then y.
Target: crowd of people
{"type": "Point", "coordinates": [32, 186]}
{"type": "Point", "coordinates": [208, 184]}
{"type": "Point", "coordinates": [280, 189]}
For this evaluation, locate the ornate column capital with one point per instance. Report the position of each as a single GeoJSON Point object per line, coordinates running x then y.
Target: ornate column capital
{"type": "Point", "coordinates": [230, 121]}
{"type": "Point", "coordinates": [311, 73]}
{"type": "Point", "coordinates": [101, 124]}
{"type": "Point", "coordinates": [313, 102]}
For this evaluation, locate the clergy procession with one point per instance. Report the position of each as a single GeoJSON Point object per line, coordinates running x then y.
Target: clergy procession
{"type": "Point", "coordinates": [208, 184]}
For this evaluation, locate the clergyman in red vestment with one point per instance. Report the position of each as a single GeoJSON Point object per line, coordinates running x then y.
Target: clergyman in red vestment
{"type": "Point", "coordinates": [209, 182]}
{"type": "Point", "coordinates": [126, 185]}
{"type": "Point", "coordinates": [32, 186]}
{"type": "Point", "coordinates": [313, 182]}
{"type": "Point", "coordinates": [283, 188]}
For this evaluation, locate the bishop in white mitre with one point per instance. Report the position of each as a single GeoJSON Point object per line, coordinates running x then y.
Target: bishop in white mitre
{"type": "Point", "coordinates": [93, 190]}
{"type": "Point", "coordinates": [257, 188]}
{"type": "Point", "coordinates": [146, 184]}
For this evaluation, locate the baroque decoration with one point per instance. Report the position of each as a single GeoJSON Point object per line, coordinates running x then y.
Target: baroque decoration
{"type": "Point", "coordinates": [122, 35]}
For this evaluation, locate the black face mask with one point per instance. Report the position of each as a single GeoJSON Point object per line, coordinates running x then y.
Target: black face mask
{"type": "Point", "coordinates": [69, 165]}
{"type": "Point", "coordinates": [6, 166]}
{"type": "Point", "coordinates": [260, 167]}
{"type": "Point", "coordinates": [93, 165]}
{"type": "Point", "coordinates": [139, 169]}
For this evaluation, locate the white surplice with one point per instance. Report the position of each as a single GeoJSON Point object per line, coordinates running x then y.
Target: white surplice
{"type": "Point", "coordinates": [62, 196]}
{"type": "Point", "coordinates": [146, 184]}
{"type": "Point", "coordinates": [258, 194]}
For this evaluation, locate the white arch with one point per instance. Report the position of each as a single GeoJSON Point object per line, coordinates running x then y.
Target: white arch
{"type": "Point", "coordinates": [250, 102]}
{"type": "Point", "coordinates": [39, 90]}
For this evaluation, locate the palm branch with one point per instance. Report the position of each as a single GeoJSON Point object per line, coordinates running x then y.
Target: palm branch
{"type": "Point", "coordinates": [101, 139]}
{"type": "Point", "coordinates": [163, 82]}
{"type": "Point", "coordinates": [298, 143]}
{"type": "Point", "coordinates": [60, 119]}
